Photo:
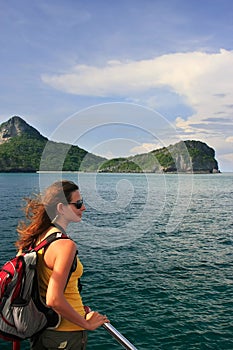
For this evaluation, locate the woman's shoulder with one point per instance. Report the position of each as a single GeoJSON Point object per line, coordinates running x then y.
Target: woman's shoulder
{"type": "Point", "coordinates": [62, 250]}
{"type": "Point", "coordinates": [62, 241]}
{"type": "Point", "coordinates": [59, 241]}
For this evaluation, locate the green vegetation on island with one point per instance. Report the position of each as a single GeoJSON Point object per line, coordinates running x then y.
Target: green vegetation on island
{"type": "Point", "coordinates": [183, 157]}
{"type": "Point", "coordinates": [24, 149]}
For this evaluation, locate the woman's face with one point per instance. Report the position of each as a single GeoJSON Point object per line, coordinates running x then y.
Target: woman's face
{"type": "Point", "coordinates": [75, 207]}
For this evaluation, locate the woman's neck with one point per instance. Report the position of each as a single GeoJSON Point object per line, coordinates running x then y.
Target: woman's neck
{"type": "Point", "coordinates": [59, 226]}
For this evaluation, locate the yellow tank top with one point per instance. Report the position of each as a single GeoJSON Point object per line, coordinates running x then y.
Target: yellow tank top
{"type": "Point", "coordinates": [71, 293]}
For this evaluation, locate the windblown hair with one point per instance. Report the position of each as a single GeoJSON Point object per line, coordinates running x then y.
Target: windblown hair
{"type": "Point", "coordinates": [40, 210]}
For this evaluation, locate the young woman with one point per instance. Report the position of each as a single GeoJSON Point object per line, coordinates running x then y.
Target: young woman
{"type": "Point", "coordinates": [60, 205]}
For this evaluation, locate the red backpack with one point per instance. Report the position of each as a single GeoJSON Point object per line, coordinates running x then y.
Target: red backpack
{"type": "Point", "coordinates": [22, 311]}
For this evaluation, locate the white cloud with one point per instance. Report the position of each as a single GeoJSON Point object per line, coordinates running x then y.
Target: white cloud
{"type": "Point", "coordinates": [144, 148]}
{"type": "Point", "coordinates": [190, 74]}
{"type": "Point", "coordinates": [229, 139]}
{"type": "Point", "coordinates": [203, 80]}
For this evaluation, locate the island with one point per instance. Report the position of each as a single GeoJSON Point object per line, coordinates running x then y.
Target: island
{"type": "Point", "coordinates": [22, 150]}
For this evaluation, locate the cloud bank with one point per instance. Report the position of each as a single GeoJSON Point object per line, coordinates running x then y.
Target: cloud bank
{"type": "Point", "coordinates": [193, 74]}
{"type": "Point", "coordinates": [203, 81]}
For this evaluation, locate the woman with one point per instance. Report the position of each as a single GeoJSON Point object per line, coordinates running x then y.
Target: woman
{"type": "Point", "coordinates": [61, 204]}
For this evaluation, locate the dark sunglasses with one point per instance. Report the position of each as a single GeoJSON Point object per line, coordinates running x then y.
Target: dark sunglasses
{"type": "Point", "coordinates": [78, 204]}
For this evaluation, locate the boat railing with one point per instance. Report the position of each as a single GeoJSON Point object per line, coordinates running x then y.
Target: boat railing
{"type": "Point", "coordinates": [119, 337]}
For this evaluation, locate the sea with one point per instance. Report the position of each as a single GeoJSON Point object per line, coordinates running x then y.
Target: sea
{"type": "Point", "coordinates": [157, 251]}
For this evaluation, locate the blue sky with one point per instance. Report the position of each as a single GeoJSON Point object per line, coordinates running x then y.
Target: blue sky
{"type": "Point", "coordinates": [120, 77]}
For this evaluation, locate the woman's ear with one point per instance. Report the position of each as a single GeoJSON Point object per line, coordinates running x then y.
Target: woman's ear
{"type": "Point", "coordinates": [60, 207]}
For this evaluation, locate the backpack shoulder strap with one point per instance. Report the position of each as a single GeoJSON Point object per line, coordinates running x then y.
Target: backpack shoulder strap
{"type": "Point", "coordinates": [51, 238]}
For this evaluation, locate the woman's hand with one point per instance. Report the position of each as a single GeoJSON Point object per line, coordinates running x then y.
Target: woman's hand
{"type": "Point", "coordinates": [95, 320]}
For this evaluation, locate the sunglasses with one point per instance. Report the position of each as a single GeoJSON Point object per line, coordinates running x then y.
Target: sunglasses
{"type": "Point", "coordinates": [78, 204]}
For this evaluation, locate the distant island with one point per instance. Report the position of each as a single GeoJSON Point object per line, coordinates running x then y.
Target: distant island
{"type": "Point", "coordinates": [22, 150]}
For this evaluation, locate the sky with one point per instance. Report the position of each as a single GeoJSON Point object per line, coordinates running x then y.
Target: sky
{"type": "Point", "coordinates": [120, 77]}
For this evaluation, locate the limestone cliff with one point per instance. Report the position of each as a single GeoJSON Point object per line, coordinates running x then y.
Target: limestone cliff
{"type": "Point", "coordinates": [16, 126]}
{"type": "Point", "coordinates": [183, 157]}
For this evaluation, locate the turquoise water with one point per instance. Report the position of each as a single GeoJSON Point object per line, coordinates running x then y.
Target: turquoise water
{"type": "Point", "coordinates": [157, 253]}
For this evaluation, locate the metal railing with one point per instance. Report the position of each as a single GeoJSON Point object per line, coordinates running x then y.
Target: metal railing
{"type": "Point", "coordinates": [119, 337]}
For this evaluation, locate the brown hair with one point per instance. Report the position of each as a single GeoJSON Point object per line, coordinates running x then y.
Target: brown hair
{"type": "Point", "coordinates": [40, 210]}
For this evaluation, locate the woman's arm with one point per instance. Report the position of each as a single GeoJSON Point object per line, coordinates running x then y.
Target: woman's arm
{"type": "Point", "coordinates": [59, 257]}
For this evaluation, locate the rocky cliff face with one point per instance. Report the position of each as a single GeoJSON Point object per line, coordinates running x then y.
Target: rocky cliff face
{"type": "Point", "coordinates": [16, 126]}
{"type": "Point", "coordinates": [183, 157]}
{"type": "Point", "coordinates": [200, 158]}
{"type": "Point", "coordinates": [22, 147]}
